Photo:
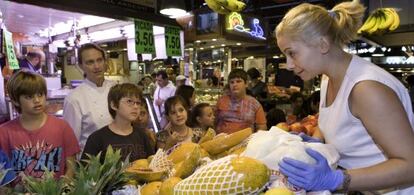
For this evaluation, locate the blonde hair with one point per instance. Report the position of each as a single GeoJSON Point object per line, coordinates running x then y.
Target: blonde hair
{"type": "Point", "coordinates": [308, 22]}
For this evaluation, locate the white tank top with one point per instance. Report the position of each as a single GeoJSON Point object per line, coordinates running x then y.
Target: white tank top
{"type": "Point", "coordinates": [346, 132]}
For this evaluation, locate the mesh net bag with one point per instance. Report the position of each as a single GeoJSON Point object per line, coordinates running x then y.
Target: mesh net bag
{"type": "Point", "coordinates": [161, 162]}
{"type": "Point", "coordinates": [220, 177]}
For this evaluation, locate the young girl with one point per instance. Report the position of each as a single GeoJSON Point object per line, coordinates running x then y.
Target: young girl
{"type": "Point", "coordinates": [202, 117]}
{"type": "Point", "coordinates": [142, 123]}
{"type": "Point", "coordinates": [177, 131]}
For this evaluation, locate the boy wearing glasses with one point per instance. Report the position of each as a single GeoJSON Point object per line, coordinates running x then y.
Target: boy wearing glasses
{"type": "Point", "coordinates": [124, 101]}
{"type": "Point", "coordinates": [36, 141]}
{"type": "Point", "coordinates": [85, 108]}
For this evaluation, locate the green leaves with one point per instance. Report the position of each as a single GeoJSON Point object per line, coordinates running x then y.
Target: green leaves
{"type": "Point", "coordinates": [100, 178]}
{"type": "Point", "coordinates": [91, 177]}
{"type": "Point", "coordinates": [47, 185]}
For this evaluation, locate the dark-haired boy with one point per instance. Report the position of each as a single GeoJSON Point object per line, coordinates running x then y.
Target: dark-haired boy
{"type": "Point", "coordinates": [237, 110]}
{"type": "Point", "coordinates": [124, 101]}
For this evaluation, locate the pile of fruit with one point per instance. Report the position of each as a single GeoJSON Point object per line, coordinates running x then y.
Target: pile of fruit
{"type": "Point", "coordinates": [226, 6]}
{"type": "Point", "coordinates": [213, 165]}
{"type": "Point", "coordinates": [307, 125]}
{"type": "Point", "coordinates": [380, 21]}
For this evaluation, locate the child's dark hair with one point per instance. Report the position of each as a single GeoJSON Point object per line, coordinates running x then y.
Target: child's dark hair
{"type": "Point", "coordinates": [238, 73]}
{"type": "Point", "coordinates": [196, 112]}
{"type": "Point", "coordinates": [172, 101]}
{"type": "Point", "coordinates": [253, 73]}
{"type": "Point", "coordinates": [117, 92]}
{"type": "Point", "coordinates": [186, 92]}
{"type": "Point", "coordinates": [25, 83]}
{"type": "Point", "coordinates": [275, 116]}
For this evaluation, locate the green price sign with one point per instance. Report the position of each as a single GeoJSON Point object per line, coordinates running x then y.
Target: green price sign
{"type": "Point", "coordinates": [11, 56]}
{"type": "Point", "coordinates": [172, 41]}
{"type": "Point", "coordinates": [144, 37]}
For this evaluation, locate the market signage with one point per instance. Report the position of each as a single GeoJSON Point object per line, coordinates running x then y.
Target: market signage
{"type": "Point", "coordinates": [235, 22]}
{"type": "Point", "coordinates": [172, 41]}
{"type": "Point", "coordinates": [11, 56]}
{"type": "Point", "coordinates": [144, 37]}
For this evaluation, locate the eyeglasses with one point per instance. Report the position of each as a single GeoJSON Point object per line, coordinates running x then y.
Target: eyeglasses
{"type": "Point", "coordinates": [130, 102]}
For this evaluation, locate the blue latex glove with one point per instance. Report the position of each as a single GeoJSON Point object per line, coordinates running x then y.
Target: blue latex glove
{"type": "Point", "coordinates": [10, 175]}
{"type": "Point", "coordinates": [307, 138]}
{"type": "Point", "coordinates": [311, 177]}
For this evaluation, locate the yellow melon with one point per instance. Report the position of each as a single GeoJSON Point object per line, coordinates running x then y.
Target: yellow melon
{"type": "Point", "coordinates": [152, 188]}
{"type": "Point", "coordinates": [167, 187]}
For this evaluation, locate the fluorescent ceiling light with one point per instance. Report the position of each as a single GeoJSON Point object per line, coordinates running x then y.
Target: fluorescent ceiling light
{"type": "Point", "coordinates": [172, 7]}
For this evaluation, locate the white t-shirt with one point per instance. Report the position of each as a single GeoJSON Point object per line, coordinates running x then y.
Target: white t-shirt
{"type": "Point", "coordinates": [162, 93]}
{"type": "Point", "coordinates": [86, 109]}
{"type": "Point", "coordinates": [346, 132]}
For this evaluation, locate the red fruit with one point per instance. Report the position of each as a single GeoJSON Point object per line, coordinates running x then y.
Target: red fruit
{"type": "Point", "coordinates": [312, 131]}
{"type": "Point", "coordinates": [297, 127]}
{"type": "Point", "coordinates": [309, 128]}
{"type": "Point", "coordinates": [291, 119]}
{"type": "Point", "coordinates": [310, 119]}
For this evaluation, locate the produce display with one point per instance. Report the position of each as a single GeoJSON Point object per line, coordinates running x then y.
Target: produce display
{"type": "Point", "coordinates": [228, 175]}
{"type": "Point", "coordinates": [380, 21]}
{"type": "Point", "coordinates": [207, 98]}
{"type": "Point", "coordinates": [307, 125]}
{"type": "Point", "coordinates": [239, 163]}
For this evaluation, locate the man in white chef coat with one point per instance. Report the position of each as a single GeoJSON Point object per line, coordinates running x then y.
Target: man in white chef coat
{"type": "Point", "coordinates": [86, 107]}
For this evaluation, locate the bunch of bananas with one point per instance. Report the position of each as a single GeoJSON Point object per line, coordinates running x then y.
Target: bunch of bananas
{"type": "Point", "coordinates": [380, 21]}
{"type": "Point", "coordinates": [226, 6]}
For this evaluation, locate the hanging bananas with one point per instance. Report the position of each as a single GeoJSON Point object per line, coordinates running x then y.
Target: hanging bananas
{"type": "Point", "coordinates": [380, 21]}
{"type": "Point", "coordinates": [226, 6]}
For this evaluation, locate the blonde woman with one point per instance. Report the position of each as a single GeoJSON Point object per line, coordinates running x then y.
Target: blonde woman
{"type": "Point", "coordinates": [365, 112]}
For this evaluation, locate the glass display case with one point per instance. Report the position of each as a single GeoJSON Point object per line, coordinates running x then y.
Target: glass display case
{"type": "Point", "coordinates": [208, 95]}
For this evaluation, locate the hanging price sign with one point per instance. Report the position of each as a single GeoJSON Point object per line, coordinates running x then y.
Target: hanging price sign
{"type": "Point", "coordinates": [11, 56]}
{"type": "Point", "coordinates": [172, 41]}
{"type": "Point", "coordinates": [144, 37]}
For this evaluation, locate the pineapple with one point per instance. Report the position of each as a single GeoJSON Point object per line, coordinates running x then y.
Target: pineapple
{"type": "Point", "coordinates": [95, 177]}
{"type": "Point", "coordinates": [90, 178]}
{"type": "Point", "coordinates": [47, 185]}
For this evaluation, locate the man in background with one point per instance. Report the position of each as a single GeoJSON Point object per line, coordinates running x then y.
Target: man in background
{"type": "Point", "coordinates": [180, 80]}
{"type": "Point", "coordinates": [165, 89]}
{"type": "Point", "coordinates": [33, 61]}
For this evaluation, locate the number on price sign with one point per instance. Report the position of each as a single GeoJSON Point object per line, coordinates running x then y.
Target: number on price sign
{"type": "Point", "coordinates": [172, 41]}
{"type": "Point", "coordinates": [144, 37]}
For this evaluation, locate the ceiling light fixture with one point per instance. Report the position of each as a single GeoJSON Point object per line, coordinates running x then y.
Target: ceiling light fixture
{"type": "Point", "coordinates": [172, 7]}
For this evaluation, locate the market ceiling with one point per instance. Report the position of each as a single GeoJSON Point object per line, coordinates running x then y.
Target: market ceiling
{"type": "Point", "coordinates": [270, 10]}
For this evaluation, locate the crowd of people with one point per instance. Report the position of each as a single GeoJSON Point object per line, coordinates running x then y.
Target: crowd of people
{"type": "Point", "coordinates": [99, 113]}
{"type": "Point", "coordinates": [364, 112]}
